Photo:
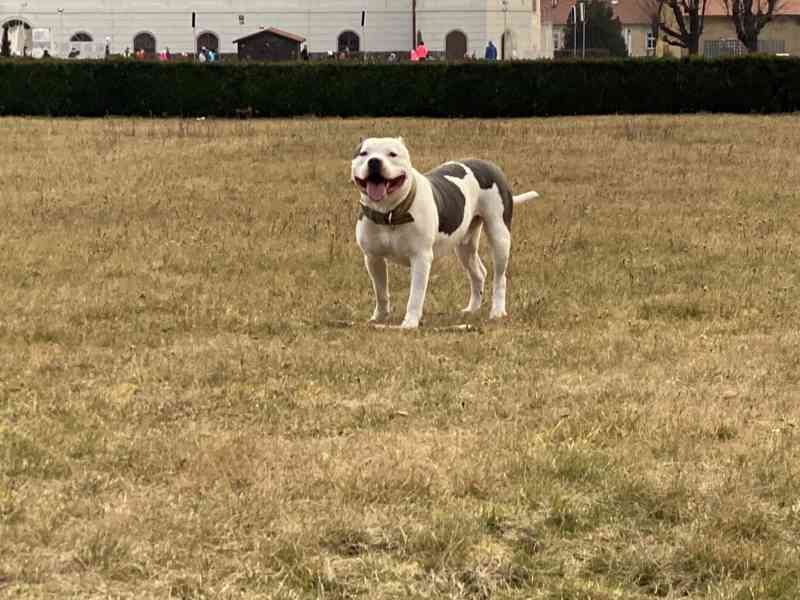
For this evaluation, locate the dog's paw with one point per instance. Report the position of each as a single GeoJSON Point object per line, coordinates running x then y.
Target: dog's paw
{"type": "Point", "coordinates": [497, 314]}
{"type": "Point", "coordinates": [409, 323]}
{"type": "Point", "coordinates": [470, 309]}
{"type": "Point", "coordinates": [380, 317]}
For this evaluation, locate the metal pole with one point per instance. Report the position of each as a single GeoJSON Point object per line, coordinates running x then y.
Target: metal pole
{"type": "Point", "coordinates": [364, 35]}
{"type": "Point", "coordinates": [194, 36]}
{"type": "Point", "coordinates": [574, 13]}
{"type": "Point", "coordinates": [583, 21]}
{"type": "Point", "coordinates": [413, 24]}
{"type": "Point", "coordinates": [61, 32]}
{"type": "Point", "coordinates": [505, 29]}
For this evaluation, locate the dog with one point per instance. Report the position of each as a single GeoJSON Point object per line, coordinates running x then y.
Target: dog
{"type": "Point", "coordinates": [411, 218]}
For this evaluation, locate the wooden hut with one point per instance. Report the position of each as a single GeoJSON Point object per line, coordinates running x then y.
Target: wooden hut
{"type": "Point", "coordinates": [269, 44]}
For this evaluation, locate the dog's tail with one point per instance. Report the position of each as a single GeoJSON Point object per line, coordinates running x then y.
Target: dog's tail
{"type": "Point", "coordinates": [525, 197]}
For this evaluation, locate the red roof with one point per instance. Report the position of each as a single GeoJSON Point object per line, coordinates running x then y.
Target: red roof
{"type": "Point", "coordinates": [629, 11]}
{"type": "Point", "coordinates": [637, 12]}
{"type": "Point", "coordinates": [716, 8]}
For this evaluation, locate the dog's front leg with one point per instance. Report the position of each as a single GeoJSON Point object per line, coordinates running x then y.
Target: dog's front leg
{"type": "Point", "coordinates": [420, 271]}
{"type": "Point", "coordinates": [378, 272]}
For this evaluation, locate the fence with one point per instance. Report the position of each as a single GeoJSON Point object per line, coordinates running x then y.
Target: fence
{"type": "Point", "coordinates": [734, 47]}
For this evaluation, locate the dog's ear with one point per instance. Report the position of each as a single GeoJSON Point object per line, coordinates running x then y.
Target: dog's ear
{"type": "Point", "coordinates": [358, 148]}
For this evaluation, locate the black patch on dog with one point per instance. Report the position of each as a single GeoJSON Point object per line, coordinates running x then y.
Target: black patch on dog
{"type": "Point", "coordinates": [489, 174]}
{"type": "Point", "coordinates": [449, 199]}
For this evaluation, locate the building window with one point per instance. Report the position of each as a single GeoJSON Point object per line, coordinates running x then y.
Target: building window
{"type": "Point", "coordinates": [81, 36]}
{"type": "Point", "coordinates": [209, 41]}
{"type": "Point", "coordinates": [17, 38]}
{"type": "Point", "coordinates": [558, 39]}
{"type": "Point", "coordinates": [145, 41]}
{"type": "Point", "coordinates": [650, 41]}
{"type": "Point", "coordinates": [348, 41]}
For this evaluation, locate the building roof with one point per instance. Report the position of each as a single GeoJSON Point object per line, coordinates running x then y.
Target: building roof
{"type": "Point", "coordinates": [273, 31]}
{"type": "Point", "coordinates": [630, 12]}
{"type": "Point", "coordinates": [638, 12]}
{"type": "Point", "coordinates": [716, 8]}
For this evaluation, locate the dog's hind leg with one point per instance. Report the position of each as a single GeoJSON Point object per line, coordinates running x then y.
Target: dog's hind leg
{"type": "Point", "coordinates": [467, 252]}
{"type": "Point", "coordinates": [500, 242]}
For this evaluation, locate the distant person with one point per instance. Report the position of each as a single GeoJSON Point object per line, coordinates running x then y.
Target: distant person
{"type": "Point", "coordinates": [46, 53]}
{"type": "Point", "coordinates": [413, 56]}
{"type": "Point", "coordinates": [491, 51]}
{"type": "Point", "coordinates": [392, 57]}
{"type": "Point", "coordinates": [422, 51]}
{"type": "Point", "coordinates": [202, 56]}
{"type": "Point", "coordinates": [108, 48]}
{"type": "Point", "coordinates": [304, 52]}
{"type": "Point", "coordinates": [212, 56]}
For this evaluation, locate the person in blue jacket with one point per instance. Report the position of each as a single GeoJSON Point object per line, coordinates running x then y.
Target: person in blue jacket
{"type": "Point", "coordinates": [491, 51]}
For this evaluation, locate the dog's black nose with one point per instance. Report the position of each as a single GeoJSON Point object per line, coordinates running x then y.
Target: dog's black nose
{"type": "Point", "coordinates": [374, 166]}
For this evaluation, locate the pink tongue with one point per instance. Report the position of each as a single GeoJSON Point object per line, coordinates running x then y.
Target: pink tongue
{"type": "Point", "coordinates": [376, 191]}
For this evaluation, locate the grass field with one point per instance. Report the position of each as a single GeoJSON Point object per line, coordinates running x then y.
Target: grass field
{"type": "Point", "coordinates": [192, 404]}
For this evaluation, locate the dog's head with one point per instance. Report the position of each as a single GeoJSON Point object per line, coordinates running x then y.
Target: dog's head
{"type": "Point", "coordinates": [381, 169]}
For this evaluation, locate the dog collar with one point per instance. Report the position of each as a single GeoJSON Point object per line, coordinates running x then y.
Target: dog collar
{"type": "Point", "coordinates": [399, 215]}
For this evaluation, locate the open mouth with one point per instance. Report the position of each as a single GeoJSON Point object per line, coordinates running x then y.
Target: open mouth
{"type": "Point", "coordinates": [377, 188]}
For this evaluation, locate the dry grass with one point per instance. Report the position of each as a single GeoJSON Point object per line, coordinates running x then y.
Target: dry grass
{"type": "Point", "coordinates": [184, 412]}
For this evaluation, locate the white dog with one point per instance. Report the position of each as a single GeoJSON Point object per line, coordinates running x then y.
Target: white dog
{"type": "Point", "coordinates": [411, 218]}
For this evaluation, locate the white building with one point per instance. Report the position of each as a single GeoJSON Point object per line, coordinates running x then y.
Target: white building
{"type": "Point", "coordinates": [455, 26]}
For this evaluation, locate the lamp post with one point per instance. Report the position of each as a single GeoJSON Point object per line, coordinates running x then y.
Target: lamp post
{"type": "Point", "coordinates": [505, 27]}
{"type": "Point", "coordinates": [583, 22]}
{"type": "Point", "coordinates": [413, 24]}
{"type": "Point", "coordinates": [25, 48]}
{"type": "Point", "coordinates": [61, 32]}
{"type": "Point", "coordinates": [573, 12]}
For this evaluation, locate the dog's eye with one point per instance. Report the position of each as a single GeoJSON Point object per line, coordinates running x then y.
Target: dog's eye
{"type": "Point", "coordinates": [393, 154]}
{"type": "Point", "coordinates": [363, 153]}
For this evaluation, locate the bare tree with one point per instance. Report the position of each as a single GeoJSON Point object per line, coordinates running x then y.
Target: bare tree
{"type": "Point", "coordinates": [749, 17]}
{"type": "Point", "coordinates": [689, 17]}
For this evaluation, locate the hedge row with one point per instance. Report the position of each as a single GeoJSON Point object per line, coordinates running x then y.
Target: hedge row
{"type": "Point", "coordinates": [472, 89]}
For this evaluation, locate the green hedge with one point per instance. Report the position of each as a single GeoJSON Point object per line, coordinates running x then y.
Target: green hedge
{"type": "Point", "coordinates": [759, 84]}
